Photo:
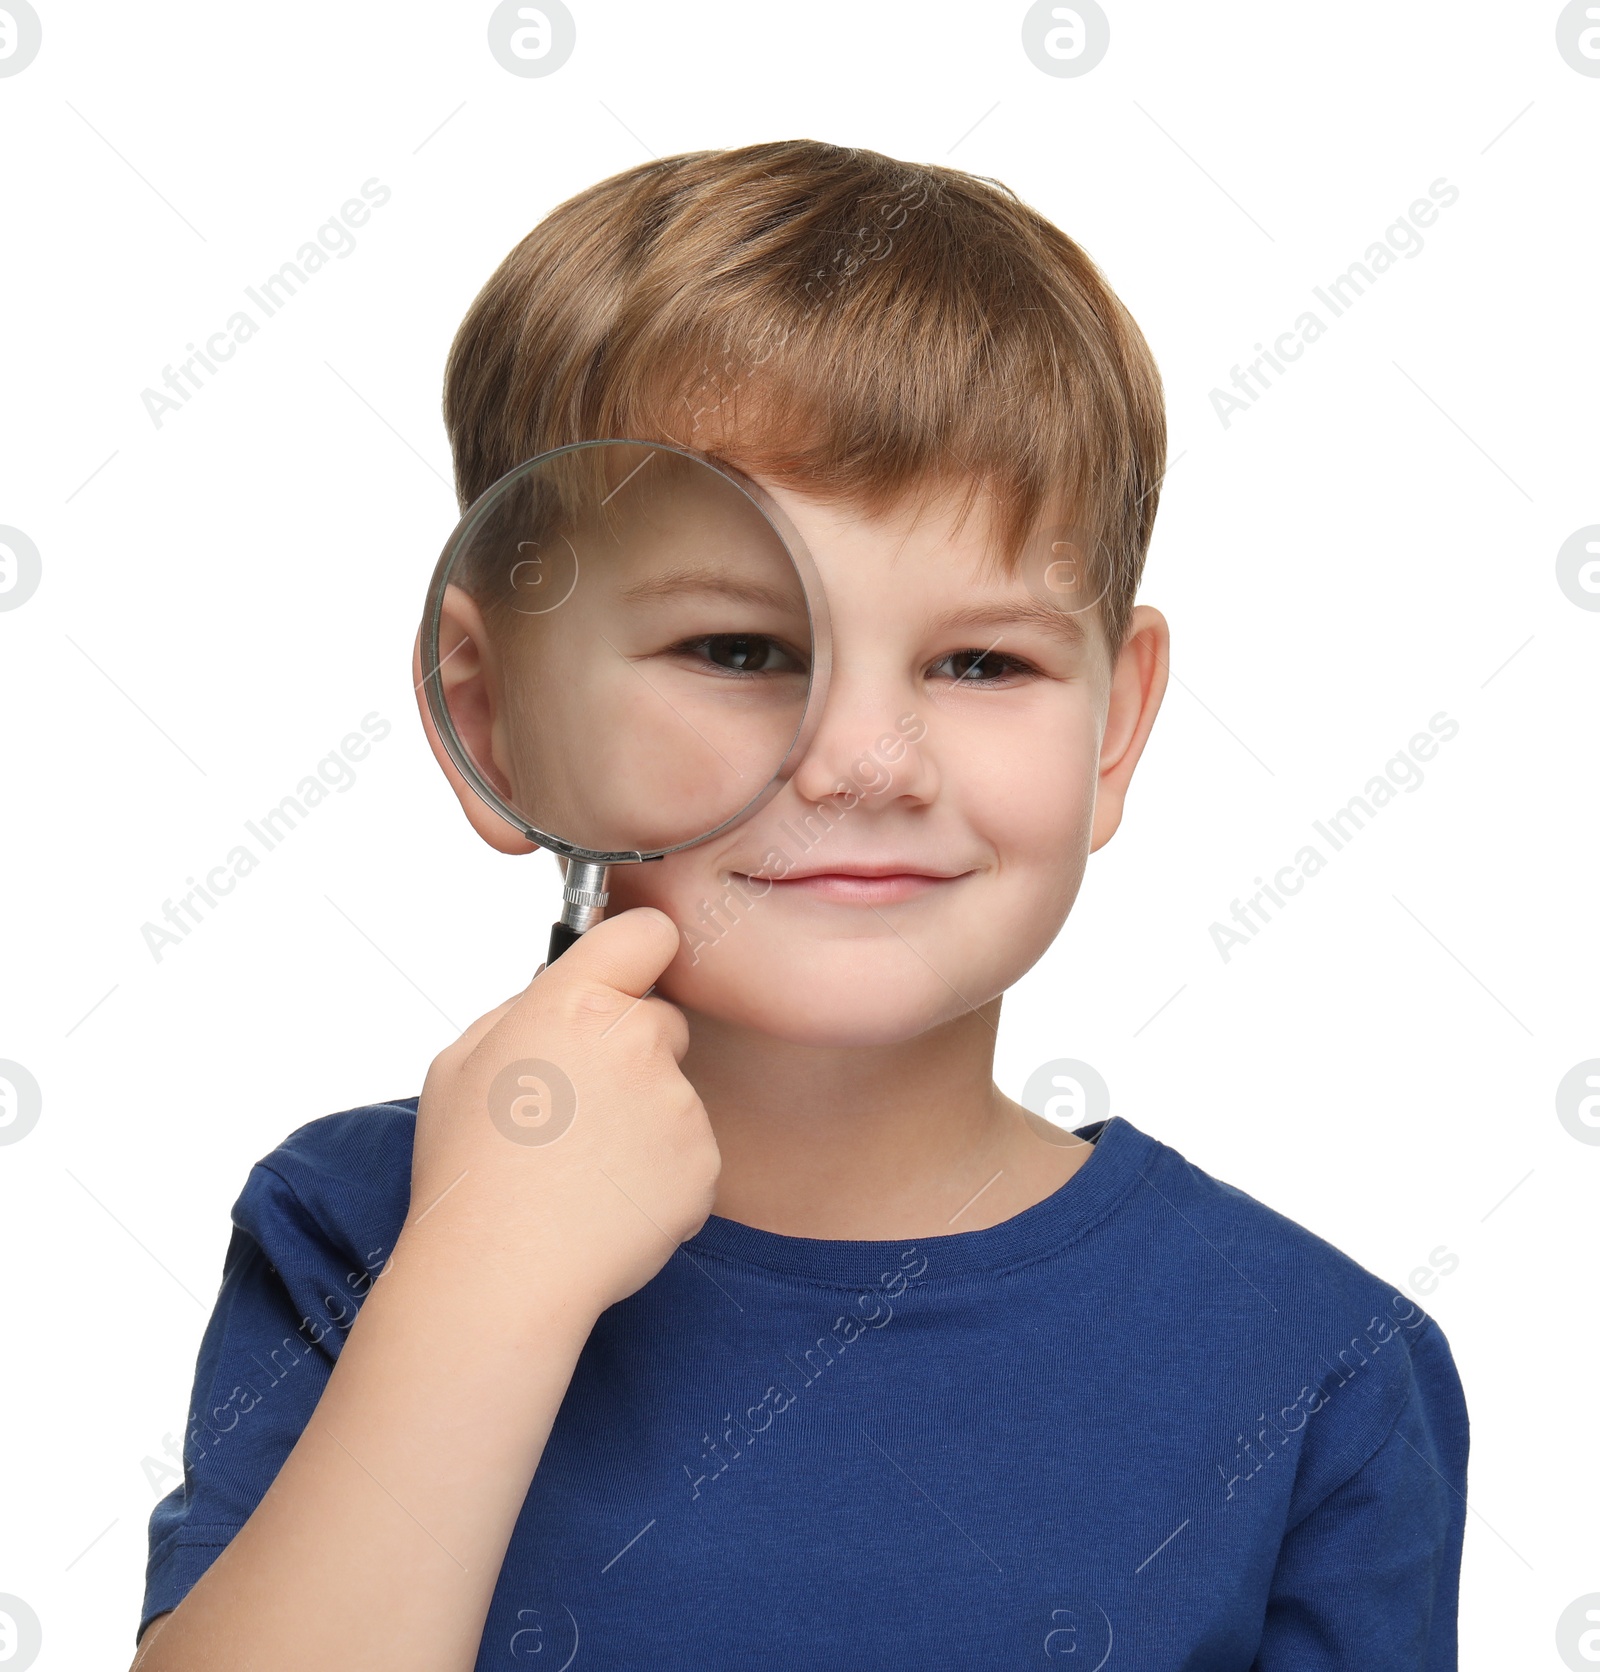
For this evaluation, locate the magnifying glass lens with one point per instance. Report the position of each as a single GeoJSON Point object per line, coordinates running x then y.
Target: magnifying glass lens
{"type": "Point", "coordinates": [623, 647]}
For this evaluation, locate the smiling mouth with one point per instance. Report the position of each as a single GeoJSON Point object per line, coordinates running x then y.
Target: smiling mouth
{"type": "Point", "coordinates": [856, 888]}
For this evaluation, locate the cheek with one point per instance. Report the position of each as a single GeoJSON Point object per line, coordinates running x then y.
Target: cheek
{"type": "Point", "coordinates": [598, 757]}
{"type": "Point", "coordinates": [734, 961]}
{"type": "Point", "coordinates": [676, 885]}
{"type": "Point", "coordinates": [1030, 792]}
{"type": "Point", "coordinates": [635, 885]}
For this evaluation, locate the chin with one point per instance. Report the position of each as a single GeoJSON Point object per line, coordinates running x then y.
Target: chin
{"type": "Point", "coordinates": [832, 995]}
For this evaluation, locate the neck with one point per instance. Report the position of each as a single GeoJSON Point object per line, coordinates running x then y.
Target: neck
{"type": "Point", "coordinates": [911, 1139]}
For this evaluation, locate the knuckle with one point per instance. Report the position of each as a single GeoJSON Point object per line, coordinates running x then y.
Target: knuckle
{"type": "Point", "coordinates": [443, 1066]}
{"type": "Point", "coordinates": [584, 1000]}
{"type": "Point", "coordinates": [666, 1024]}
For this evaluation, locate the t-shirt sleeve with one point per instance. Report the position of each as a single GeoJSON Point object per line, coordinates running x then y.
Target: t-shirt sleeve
{"type": "Point", "coordinates": [290, 1290]}
{"type": "Point", "coordinates": [1368, 1578]}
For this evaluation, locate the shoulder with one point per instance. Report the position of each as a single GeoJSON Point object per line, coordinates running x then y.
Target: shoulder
{"type": "Point", "coordinates": [342, 1181]}
{"type": "Point", "coordinates": [1290, 1262]}
{"type": "Point", "coordinates": [1293, 1266]}
{"type": "Point", "coordinates": [1317, 1329]}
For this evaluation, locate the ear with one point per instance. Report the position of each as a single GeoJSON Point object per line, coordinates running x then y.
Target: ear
{"type": "Point", "coordinates": [1138, 683]}
{"type": "Point", "coordinates": [471, 695]}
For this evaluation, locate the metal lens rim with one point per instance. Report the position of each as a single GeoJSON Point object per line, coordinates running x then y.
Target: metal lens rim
{"type": "Point", "coordinates": [816, 619]}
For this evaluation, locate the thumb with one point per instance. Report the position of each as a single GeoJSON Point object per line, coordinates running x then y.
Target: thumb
{"type": "Point", "coordinates": [626, 952]}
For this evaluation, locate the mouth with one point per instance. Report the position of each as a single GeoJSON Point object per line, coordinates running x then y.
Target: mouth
{"type": "Point", "coordinates": [862, 886]}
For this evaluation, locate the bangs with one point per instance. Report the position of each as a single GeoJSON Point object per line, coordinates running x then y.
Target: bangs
{"type": "Point", "coordinates": [843, 324]}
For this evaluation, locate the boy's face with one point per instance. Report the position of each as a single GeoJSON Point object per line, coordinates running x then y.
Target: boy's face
{"type": "Point", "coordinates": [979, 782]}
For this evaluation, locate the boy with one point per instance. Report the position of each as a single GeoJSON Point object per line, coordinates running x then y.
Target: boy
{"type": "Point", "coordinates": [936, 1384]}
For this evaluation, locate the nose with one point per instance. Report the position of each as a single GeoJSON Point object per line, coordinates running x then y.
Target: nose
{"type": "Point", "coordinates": [871, 739]}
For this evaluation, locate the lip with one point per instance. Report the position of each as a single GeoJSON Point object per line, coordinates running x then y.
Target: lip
{"type": "Point", "coordinates": [864, 885]}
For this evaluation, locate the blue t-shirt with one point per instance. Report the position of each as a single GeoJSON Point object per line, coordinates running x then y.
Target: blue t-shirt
{"type": "Point", "coordinates": [1146, 1417]}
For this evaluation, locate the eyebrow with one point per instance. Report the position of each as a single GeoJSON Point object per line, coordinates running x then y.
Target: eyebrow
{"type": "Point", "coordinates": [1034, 612]}
{"type": "Point", "coordinates": [684, 580]}
{"type": "Point", "coordinates": [691, 579]}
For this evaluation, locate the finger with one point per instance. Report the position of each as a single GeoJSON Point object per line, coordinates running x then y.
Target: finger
{"type": "Point", "coordinates": [626, 952]}
{"type": "Point", "coordinates": [674, 1026]}
{"type": "Point", "coordinates": [668, 1021]}
{"type": "Point", "coordinates": [623, 953]}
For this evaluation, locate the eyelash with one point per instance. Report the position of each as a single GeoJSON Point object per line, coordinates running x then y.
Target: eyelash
{"type": "Point", "coordinates": [1014, 665]}
{"type": "Point", "coordinates": [697, 647]}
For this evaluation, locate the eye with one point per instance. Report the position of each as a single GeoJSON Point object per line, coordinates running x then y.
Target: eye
{"type": "Point", "coordinates": [983, 667]}
{"type": "Point", "coordinates": [739, 655]}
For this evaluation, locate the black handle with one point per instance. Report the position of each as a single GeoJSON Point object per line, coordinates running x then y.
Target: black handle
{"type": "Point", "coordinates": [561, 937]}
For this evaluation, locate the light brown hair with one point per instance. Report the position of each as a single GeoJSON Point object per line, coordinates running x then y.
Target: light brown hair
{"type": "Point", "coordinates": [843, 323]}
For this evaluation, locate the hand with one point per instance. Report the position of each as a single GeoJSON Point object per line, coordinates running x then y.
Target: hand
{"type": "Point", "coordinates": [559, 1149]}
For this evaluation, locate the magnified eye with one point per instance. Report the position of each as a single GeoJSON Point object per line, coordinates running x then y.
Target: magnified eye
{"type": "Point", "coordinates": [740, 654]}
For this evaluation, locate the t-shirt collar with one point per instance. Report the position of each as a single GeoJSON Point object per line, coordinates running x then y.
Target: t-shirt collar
{"type": "Point", "coordinates": [1121, 1154]}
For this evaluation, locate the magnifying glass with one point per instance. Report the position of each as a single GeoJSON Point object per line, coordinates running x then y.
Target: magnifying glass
{"type": "Point", "coordinates": [625, 651]}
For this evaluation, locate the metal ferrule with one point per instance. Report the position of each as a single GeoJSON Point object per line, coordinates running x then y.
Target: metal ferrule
{"type": "Point", "coordinates": [584, 896]}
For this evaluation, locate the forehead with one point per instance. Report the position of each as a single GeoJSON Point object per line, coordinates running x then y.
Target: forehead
{"type": "Point", "coordinates": [940, 563]}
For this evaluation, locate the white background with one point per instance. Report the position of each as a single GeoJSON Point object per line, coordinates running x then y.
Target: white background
{"type": "Point", "coordinates": [1371, 544]}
